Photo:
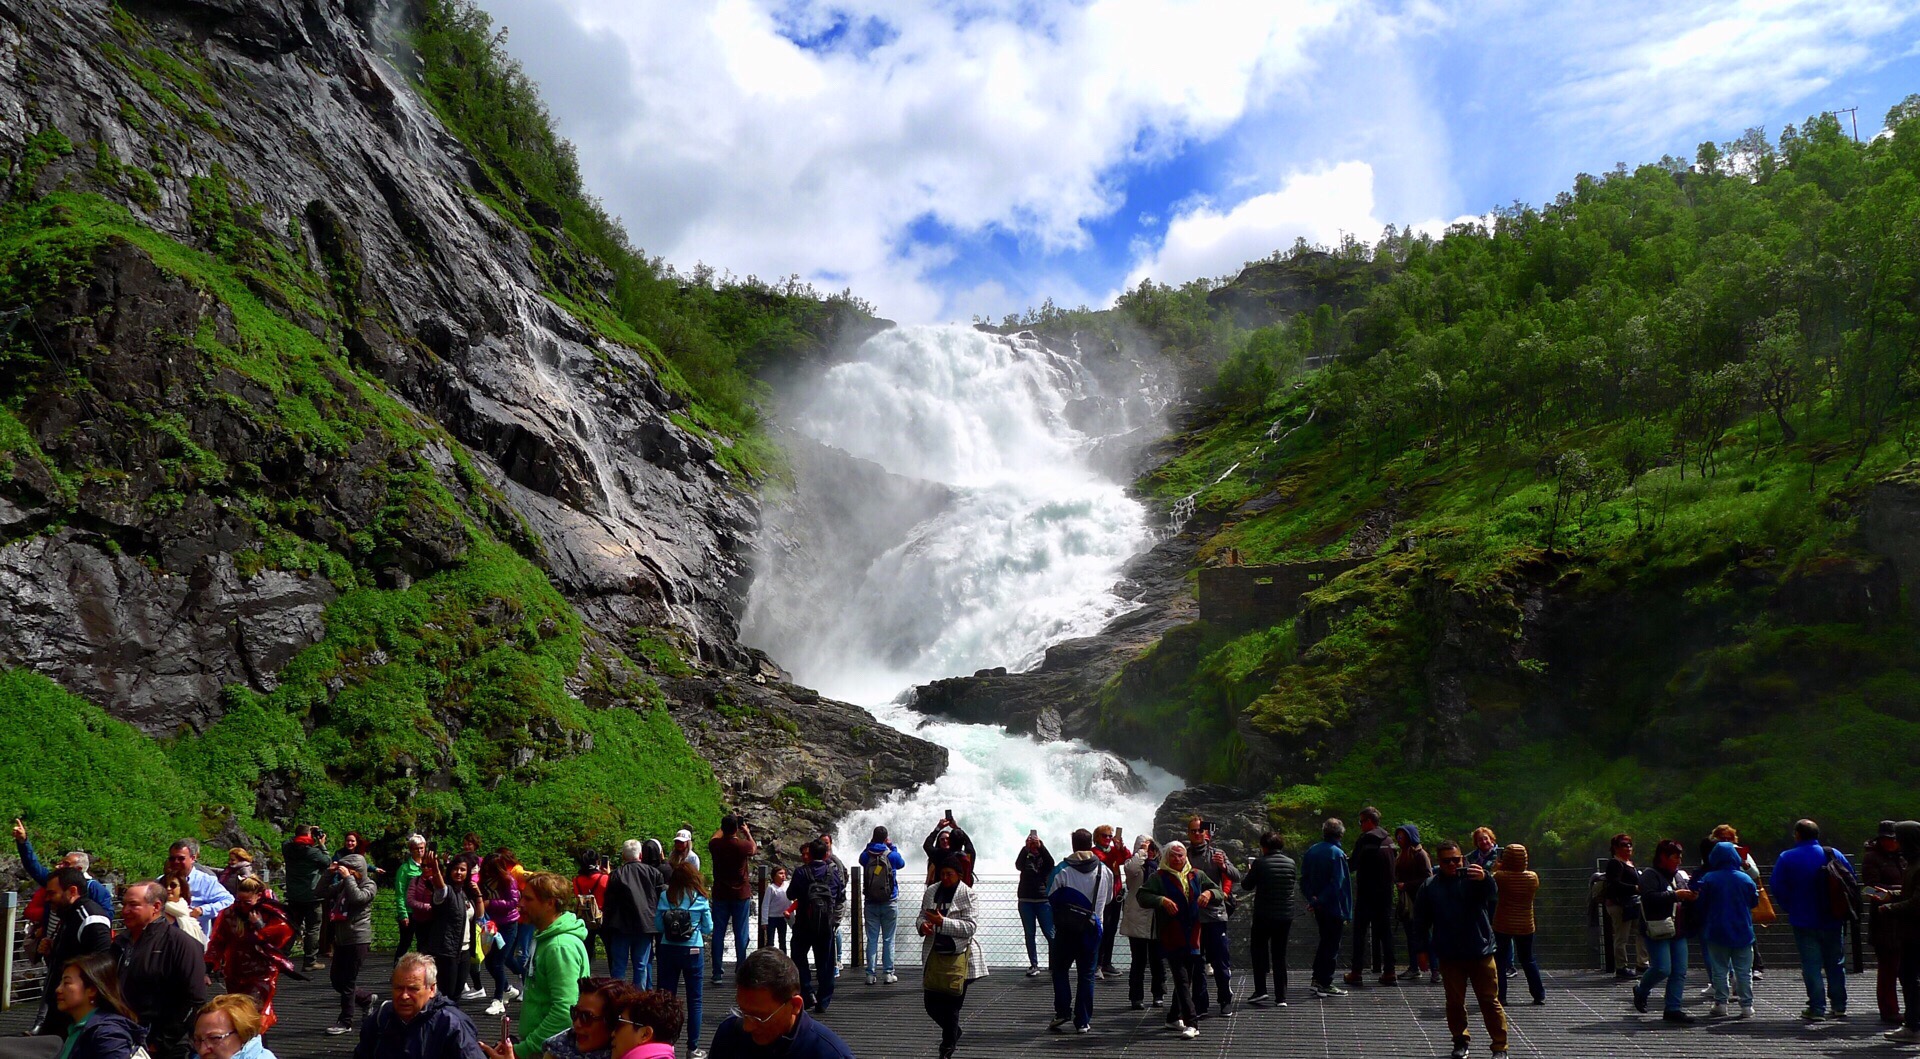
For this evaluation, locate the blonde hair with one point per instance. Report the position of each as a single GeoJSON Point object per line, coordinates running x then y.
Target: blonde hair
{"type": "Point", "coordinates": [1487, 831]}
{"type": "Point", "coordinates": [239, 1009]}
{"type": "Point", "coordinates": [548, 887]}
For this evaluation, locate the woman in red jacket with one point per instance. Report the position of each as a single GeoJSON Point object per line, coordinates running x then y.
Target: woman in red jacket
{"type": "Point", "coordinates": [249, 944]}
{"type": "Point", "coordinates": [590, 883]}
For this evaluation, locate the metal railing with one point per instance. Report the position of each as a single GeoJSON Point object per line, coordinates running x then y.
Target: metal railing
{"type": "Point", "coordinates": [1570, 932]}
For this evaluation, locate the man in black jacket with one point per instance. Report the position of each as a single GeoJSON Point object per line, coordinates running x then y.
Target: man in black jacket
{"type": "Point", "coordinates": [1373, 894]}
{"type": "Point", "coordinates": [633, 892]}
{"type": "Point", "coordinates": [1620, 889]}
{"type": "Point", "coordinates": [305, 856]}
{"type": "Point", "coordinates": [77, 925]}
{"type": "Point", "coordinates": [1457, 908]}
{"type": "Point", "coordinates": [163, 972]}
{"type": "Point", "coordinates": [1273, 879]}
{"type": "Point", "coordinates": [1035, 866]}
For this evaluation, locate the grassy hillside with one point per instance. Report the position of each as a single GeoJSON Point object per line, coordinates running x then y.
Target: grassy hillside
{"type": "Point", "coordinates": [1611, 455]}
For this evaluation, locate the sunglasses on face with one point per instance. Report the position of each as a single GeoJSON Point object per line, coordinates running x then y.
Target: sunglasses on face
{"type": "Point", "coordinates": [1452, 860]}
{"type": "Point", "coordinates": [581, 1014]}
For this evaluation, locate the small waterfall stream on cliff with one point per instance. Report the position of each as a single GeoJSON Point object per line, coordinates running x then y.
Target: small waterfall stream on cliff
{"type": "Point", "coordinates": [952, 518]}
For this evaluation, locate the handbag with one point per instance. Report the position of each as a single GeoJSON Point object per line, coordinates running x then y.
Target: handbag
{"type": "Point", "coordinates": [1663, 929]}
{"type": "Point", "coordinates": [1764, 913]}
{"type": "Point", "coordinates": [946, 972]}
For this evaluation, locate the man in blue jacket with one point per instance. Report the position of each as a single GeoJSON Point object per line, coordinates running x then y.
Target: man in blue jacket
{"type": "Point", "coordinates": [1728, 896]}
{"type": "Point", "coordinates": [1456, 908]}
{"type": "Point", "coordinates": [1324, 883]}
{"type": "Point", "coordinates": [1800, 886]}
{"type": "Point", "coordinates": [880, 866]}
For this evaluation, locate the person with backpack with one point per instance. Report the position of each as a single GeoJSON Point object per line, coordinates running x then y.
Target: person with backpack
{"type": "Point", "coordinates": [950, 952]}
{"type": "Point", "coordinates": [1412, 867]}
{"type": "Point", "coordinates": [628, 921]}
{"type": "Point", "coordinates": [1136, 925]}
{"type": "Point", "coordinates": [815, 890]}
{"type": "Point", "coordinates": [1816, 885]}
{"type": "Point", "coordinates": [686, 922]}
{"type": "Point", "coordinates": [590, 897]}
{"type": "Point", "coordinates": [1665, 891]}
{"type": "Point", "coordinates": [305, 857]}
{"type": "Point", "coordinates": [880, 865]}
{"type": "Point", "coordinates": [1728, 896]}
{"type": "Point", "coordinates": [1902, 907]}
{"type": "Point", "coordinates": [1035, 865]}
{"type": "Point", "coordinates": [732, 849]}
{"type": "Point", "coordinates": [1078, 895]}
{"type": "Point", "coordinates": [1272, 878]}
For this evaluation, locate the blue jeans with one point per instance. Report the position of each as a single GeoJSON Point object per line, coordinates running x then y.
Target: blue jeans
{"type": "Point", "coordinates": [1036, 914]}
{"type": "Point", "coordinates": [1723, 960]}
{"type": "Point", "coordinates": [638, 948]}
{"type": "Point", "coordinates": [675, 961]}
{"type": "Point", "coordinates": [1510, 950]}
{"type": "Point", "coordinates": [739, 915]}
{"type": "Point", "coordinates": [881, 921]}
{"type": "Point", "coordinates": [1823, 966]}
{"type": "Point", "coordinates": [522, 940]}
{"type": "Point", "coordinates": [1666, 962]}
{"type": "Point", "coordinates": [1074, 1001]}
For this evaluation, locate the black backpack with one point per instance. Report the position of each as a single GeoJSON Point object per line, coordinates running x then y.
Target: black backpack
{"type": "Point", "coordinates": [1843, 889]}
{"type": "Point", "coordinates": [676, 924]}
{"type": "Point", "coordinates": [817, 908]}
{"type": "Point", "coordinates": [879, 881]}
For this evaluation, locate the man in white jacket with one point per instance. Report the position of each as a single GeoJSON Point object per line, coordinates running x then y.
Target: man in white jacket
{"type": "Point", "coordinates": [1080, 891]}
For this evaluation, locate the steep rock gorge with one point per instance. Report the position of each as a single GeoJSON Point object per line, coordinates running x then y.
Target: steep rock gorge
{"type": "Point", "coordinates": [277, 355]}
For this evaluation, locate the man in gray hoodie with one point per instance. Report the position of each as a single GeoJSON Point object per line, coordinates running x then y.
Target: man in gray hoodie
{"type": "Point", "coordinates": [1212, 860]}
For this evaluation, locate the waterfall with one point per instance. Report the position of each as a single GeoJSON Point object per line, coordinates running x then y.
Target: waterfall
{"type": "Point", "coordinates": [956, 520]}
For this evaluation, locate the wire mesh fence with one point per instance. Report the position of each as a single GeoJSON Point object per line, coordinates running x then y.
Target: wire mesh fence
{"type": "Point", "coordinates": [1571, 932]}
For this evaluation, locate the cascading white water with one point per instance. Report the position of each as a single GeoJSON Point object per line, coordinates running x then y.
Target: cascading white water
{"type": "Point", "coordinates": [1021, 551]}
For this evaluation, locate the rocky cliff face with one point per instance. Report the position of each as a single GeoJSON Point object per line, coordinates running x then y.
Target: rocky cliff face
{"type": "Point", "coordinates": [371, 369]}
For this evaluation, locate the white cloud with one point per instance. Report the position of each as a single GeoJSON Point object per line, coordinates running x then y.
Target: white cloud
{"type": "Point", "coordinates": [1318, 206]}
{"type": "Point", "coordinates": [728, 143]}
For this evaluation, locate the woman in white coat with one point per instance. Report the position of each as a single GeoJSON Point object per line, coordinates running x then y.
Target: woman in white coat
{"type": "Point", "coordinates": [947, 940]}
{"type": "Point", "coordinates": [1137, 923]}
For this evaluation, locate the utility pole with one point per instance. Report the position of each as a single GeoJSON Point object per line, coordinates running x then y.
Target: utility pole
{"type": "Point", "coordinates": [1853, 115]}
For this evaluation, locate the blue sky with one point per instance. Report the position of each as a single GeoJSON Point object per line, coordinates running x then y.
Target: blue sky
{"type": "Point", "coordinates": [949, 160]}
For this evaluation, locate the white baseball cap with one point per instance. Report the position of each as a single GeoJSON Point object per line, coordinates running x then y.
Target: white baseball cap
{"type": "Point", "coordinates": [683, 835]}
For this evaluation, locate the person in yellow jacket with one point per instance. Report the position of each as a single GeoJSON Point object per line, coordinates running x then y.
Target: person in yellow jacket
{"type": "Point", "coordinates": [1513, 926]}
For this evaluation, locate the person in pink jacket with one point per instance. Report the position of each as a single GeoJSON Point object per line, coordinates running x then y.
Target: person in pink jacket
{"type": "Point", "coordinates": [646, 1025]}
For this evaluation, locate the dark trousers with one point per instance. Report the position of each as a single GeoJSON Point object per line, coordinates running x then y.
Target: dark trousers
{"type": "Point", "coordinates": [1910, 982]}
{"type": "Point", "coordinates": [453, 970]}
{"type": "Point", "coordinates": [1419, 949]}
{"type": "Point", "coordinates": [816, 944]}
{"type": "Point", "coordinates": [1146, 952]}
{"type": "Point", "coordinates": [1372, 924]}
{"type": "Point", "coordinates": [944, 1010]}
{"type": "Point", "coordinates": [1516, 950]}
{"type": "Point", "coordinates": [1888, 959]}
{"type": "Point", "coordinates": [1073, 948]}
{"type": "Point", "coordinates": [1109, 932]}
{"type": "Point", "coordinates": [1186, 970]}
{"type": "Point", "coordinates": [1328, 951]}
{"type": "Point", "coordinates": [306, 919]}
{"type": "Point", "coordinates": [1270, 950]}
{"type": "Point", "coordinates": [1214, 954]}
{"type": "Point", "coordinates": [344, 974]}
{"type": "Point", "coordinates": [410, 929]}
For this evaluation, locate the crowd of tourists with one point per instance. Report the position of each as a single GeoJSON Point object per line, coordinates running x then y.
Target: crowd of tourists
{"type": "Point", "coordinates": [1465, 914]}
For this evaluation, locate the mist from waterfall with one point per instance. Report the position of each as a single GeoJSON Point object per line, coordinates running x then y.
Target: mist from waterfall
{"type": "Point", "coordinates": [958, 519]}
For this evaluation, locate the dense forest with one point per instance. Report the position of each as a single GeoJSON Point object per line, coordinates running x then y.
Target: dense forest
{"type": "Point", "coordinates": [1611, 459]}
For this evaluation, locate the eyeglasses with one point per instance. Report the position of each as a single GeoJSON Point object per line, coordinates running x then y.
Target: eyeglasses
{"type": "Point", "coordinates": [202, 1040]}
{"type": "Point", "coordinates": [581, 1014]}
{"type": "Point", "coordinates": [757, 1020]}
{"type": "Point", "coordinates": [621, 1020]}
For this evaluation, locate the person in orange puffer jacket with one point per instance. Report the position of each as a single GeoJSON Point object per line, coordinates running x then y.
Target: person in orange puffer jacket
{"type": "Point", "coordinates": [1513, 925]}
